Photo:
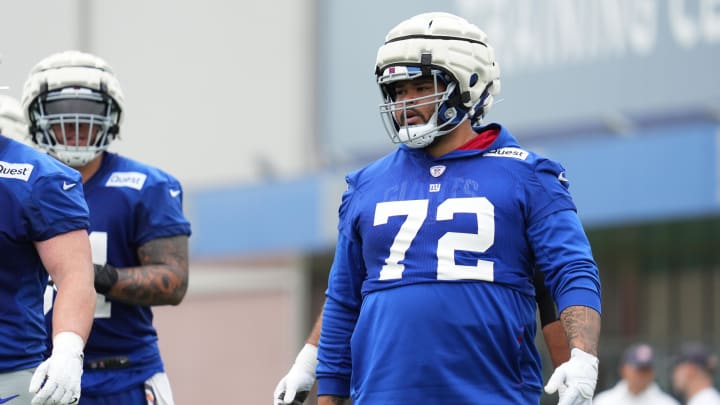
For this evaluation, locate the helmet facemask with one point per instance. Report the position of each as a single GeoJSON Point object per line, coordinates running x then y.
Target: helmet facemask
{"type": "Point", "coordinates": [445, 116]}
{"type": "Point", "coordinates": [74, 124]}
{"type": "Point", "coordinates": [73, 102]}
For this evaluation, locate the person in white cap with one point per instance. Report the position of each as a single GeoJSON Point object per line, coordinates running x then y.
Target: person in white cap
{"type": "Point", "coordinates": [692, 375]}
{"type": "Point", "coordinates": [637, 384]}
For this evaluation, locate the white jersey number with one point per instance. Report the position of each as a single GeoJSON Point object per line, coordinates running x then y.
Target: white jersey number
{"type": "Point", "coordinates": [98, 243]}
{"type": "Point", "coordinates": [416, 211]}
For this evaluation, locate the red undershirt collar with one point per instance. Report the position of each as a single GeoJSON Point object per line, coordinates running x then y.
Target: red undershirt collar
{"type": "Point", "coordinates": [482, 140]}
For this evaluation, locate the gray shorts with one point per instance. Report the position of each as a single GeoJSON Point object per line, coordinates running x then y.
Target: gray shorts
{"type": "Point", "coordinates": [14, 387]}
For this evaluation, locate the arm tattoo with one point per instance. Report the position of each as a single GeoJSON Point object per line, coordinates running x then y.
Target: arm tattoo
{"type": "Point", "coordinates": [161, 278]}
{"type": "Point", "coordinates": [582, 327]}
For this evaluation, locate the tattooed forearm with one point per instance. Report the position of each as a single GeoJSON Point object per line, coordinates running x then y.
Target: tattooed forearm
{"type": "Point", "coordinates": [582, 327]}
{"type": "Point", "coordinates": [161, 278]}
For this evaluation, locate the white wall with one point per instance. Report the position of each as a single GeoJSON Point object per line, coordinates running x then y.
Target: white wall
{"type": "Point", "coordinates": [235, 334]}
{"type": "Point", "coordinates": [217, 92]}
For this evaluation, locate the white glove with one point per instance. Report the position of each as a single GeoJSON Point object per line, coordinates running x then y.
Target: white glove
{"type": "Point", "coordinates": [575, 379]}
{"type": "Point", "coordinates": [299, 379]}
{"type": "Point", "coordinates": [56, 381]}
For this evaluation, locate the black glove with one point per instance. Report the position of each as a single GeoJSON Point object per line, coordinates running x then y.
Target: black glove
{"type": "Point", "coordinates": [105, 277]}
{"type": "Point", "coordinates": [300, 397]}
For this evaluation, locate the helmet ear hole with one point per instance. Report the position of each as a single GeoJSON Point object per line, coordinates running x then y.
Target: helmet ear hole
{"type": "Point", "coordinates": [473, 79]}
{"type": "Point", "coordinates": [450, 113]}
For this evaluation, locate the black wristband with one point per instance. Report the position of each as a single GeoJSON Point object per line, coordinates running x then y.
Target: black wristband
{"type": "Point", "coordinates": [105, 277]}
{"type": "Point", "coordinates": [545, 302]}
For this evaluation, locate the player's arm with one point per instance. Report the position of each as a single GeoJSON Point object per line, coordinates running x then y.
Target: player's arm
{"type": "Point", "coordinates": [295, 386]}
{"type": "Point", "coordinates": [582, 327]}
{"type": "Point", "coordinates": [339, 317]}
{"type": "Point", "coordinates": [314, 338]}
{"type": "Point", "coordinates": [161, 278]}
{"type": "Point", "coordinates": [330, 400]}
{"type": "Point", "coordinates": [556, 343]}
{"type": "Point", "coordinates": [552, 328]}
{"type": "Point", "coordinates": [341, 308]}
{"type": "Point", "coordinates": [576, 378]}
{"type": "Point", "coordinates": [68, 260]}
{"type": "Point", "coordinates": [563, 252]}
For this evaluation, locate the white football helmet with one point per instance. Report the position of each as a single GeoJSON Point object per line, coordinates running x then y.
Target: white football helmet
{"type": "Point", "coordinates": [73, 88]}
{"type": "Point", "coordinates": [12, 119]}
{"type": "Point", "coordinates": [449, 49]}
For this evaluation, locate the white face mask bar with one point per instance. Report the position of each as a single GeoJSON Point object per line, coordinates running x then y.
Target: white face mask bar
{"type": "Point", "coordinates": [87, 112]}
{"type": "Point", "coordinates": [414, 136]}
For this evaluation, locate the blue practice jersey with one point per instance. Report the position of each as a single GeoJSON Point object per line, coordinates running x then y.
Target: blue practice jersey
{"type": "Point", "coordinates": [430, 296]}
{"type": "Point", "coordinates": [130, 204]}
{"type": "Point", "coordinates": [39, 198]}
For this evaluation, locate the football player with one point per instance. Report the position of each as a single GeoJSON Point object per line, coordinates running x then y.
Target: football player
{"type": "Point", "coordinates": [430, 297]}
{"type": "Point", "coordinates": [139, 235]}
{"type": "Point", "coordinates": [43, 230]}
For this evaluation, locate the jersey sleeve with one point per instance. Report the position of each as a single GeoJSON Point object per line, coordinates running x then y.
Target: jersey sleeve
{"type": "Point", "coordinates": [56, 206]}
{"type": "Point", "coordinates": [160, 214]}
{"type": "Point", "coordinates": [547, 191]}
{"type": "Point", "coordinates": [563, 254]}
{"type": "Point", "coordinates": [562, 251]}
{"type": "Point", "coordinates": [342, 306]}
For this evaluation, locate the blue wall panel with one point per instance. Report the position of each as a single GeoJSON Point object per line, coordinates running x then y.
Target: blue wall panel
{"type": "Point", "coordinates": [640, 176]}
{"type": "Point", "coordinates": [255, 219]}
{"type": "Point", "coordinates": [647, 175]}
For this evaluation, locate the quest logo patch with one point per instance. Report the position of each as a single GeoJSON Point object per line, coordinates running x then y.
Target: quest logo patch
{"type": "Point", "coordinates": [134, 180]}
{"type": "Point", "coordinates": [516, 153]}
{"type": "Point", "coordinates": [20, 171]}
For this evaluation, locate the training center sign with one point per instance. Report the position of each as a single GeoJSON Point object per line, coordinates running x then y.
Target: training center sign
{"type": "Point", "coordinates": [563, 62]}
{"type": "Point", "coordinates": [597, 59]}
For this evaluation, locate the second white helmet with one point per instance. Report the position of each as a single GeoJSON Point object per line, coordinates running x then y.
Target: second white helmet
{"type": "Point", "coordinates": [73, 90]}
{"type": "Point", "coordinates": [449, 49]}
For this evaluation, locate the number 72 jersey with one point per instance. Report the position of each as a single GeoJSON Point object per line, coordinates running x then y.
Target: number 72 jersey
{"type": "Point", "coordinates": [469, 216]}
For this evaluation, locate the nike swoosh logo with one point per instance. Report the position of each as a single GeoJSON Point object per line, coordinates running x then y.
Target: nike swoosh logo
{"type": "Point", "coordinates": [66, 186]}
{"type": "Point", "coordinates": [10, 398]}
{"type": "Point", "coordinates": [562, 177]}
{"type": "Point", "coordinates": [174, 193]}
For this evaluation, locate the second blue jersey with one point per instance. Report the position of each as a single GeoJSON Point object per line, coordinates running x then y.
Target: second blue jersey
{"type": "Point", "coordinates": [130, 204]}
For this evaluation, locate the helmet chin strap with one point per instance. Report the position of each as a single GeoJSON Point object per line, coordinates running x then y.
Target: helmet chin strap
{"type": "Point", "coordinates": [422, 135]}
{"type": "Point", "coordinates": [412, 135]}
